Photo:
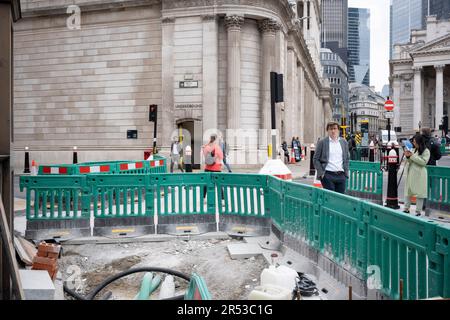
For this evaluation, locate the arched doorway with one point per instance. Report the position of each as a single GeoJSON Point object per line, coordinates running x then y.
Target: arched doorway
{"type": "Point", "coordinates": [190, 130]}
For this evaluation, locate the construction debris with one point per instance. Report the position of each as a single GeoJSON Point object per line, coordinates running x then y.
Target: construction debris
{"type": "Point", "coordinates": [46, 258]}
{"type": "Point", "coordinates": [25, 249]}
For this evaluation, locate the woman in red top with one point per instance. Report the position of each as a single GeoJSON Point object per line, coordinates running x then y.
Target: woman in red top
{"type": "Point", "coordinates": [218, 155]}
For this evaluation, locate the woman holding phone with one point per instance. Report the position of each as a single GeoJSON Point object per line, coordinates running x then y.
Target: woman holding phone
{"type": "Point", "coordinates": [416, 173]}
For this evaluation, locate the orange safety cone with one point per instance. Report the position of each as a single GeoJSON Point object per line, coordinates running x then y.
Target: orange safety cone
{"type": "Point", "coordinates": [317, 182]}
{"type": "Point", "coordinates": [292, 156]}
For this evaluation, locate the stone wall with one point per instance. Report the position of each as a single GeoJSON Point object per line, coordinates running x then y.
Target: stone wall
{"type": "Point", "coordinates": [86, 87]}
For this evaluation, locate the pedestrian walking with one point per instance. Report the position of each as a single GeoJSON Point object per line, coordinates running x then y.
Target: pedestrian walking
{"type": "Point", "coordinates": [434, 146]}
{"type": "Point", "coordinates": [297, 150]}
{"type": "Point", "coordinates": [213, 157]}
{"type": "Point", "coordinates": [285, 151]}
{"type": "Point", "coordinates": [416, 174]}
{"type": "Point", "coordinates": [224, 147]}
{"type": "Point", "coordinates": [331, 160]}
{"type": "Point", "coordinates": [188, 158]}
{"type": "Point", "coordinates": [352, 147]}
{"type": "Point", "coordinates": [176, 152]}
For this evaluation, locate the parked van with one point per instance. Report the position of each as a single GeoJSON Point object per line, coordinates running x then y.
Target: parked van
{"type": "Point", "coordinates": [384, 137]}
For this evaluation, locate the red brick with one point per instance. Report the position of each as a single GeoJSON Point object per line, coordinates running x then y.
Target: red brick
{"type": "Point", "coordinates": [45, 248]}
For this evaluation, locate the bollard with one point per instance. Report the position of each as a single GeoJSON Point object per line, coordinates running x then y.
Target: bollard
{"type": "Point", "coordinates": [312, 169]}
{"type": "Point", "coordinates": [392, 192]}
{"type": "Point", "coordinates": [26, 167]}
{"type": "Point", "coordinates": [75, 155]}
{"type": "Point", "coordinates": [371, 152]}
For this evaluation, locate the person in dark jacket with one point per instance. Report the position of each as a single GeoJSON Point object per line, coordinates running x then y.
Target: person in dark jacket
{"type": "Point", "coordinates": [331, 160]}
{"type": "Point", "coordinates": [433, 145]}
{"type": "Point", "coordinates": [286, 152]}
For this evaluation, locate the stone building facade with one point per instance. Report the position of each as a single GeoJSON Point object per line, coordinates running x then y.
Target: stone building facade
{"type": "Point", "coordinates": [367, 105]}
{"type": "Point", "coordinates": [206, 64]}
{"type": "Point", "coordinates": [420, 77]}
{"type": "Point", "coordinates": [335, 70]}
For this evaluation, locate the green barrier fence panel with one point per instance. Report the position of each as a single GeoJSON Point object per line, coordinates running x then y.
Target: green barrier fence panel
{"type": "Point", "coordinates": [339, 223]}
{"type": "Point", "coordinates": [439, 185]}
{"type": "Point", "coordinates": [376, 243]}
{"type": "Point", "coordinates": [400, 246]}
{"type": "Point", "coordinates": [273, 200]}
{"type": "Point", "coordinates": [241, 194]}
{"type": "Point", "coordinates": [119, 196]}
{"type": "Point", "coordinates": [365, 180]}
{"type": "Point", "coordinates": [300, 217]}
{"type": "Point", "coordinates": [55, 197]}
{"type": "Point", "coordinates": [438, 188]}
{"type": "Point", "coordinates": [178, 193]}
{"type": "Point", "coordinates": [441, 264]}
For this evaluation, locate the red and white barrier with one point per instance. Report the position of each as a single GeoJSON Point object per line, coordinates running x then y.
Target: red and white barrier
{"type": "Point", "coordinates": [131, 166]}
{"type": "Point", "coordinates": [94, 169]}
{"type": "Point", "coordinates": [54, 170]}
{"type": "Point", "coordinates": [156, 163]}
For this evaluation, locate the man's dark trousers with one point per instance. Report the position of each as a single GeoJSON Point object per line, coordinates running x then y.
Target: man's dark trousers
{"type": "Point", "coordinates": [334, 181]}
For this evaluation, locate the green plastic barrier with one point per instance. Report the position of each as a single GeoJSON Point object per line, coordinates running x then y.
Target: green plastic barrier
{"type": "Point", "coordinates": [242, 194]}
{"type": "Point", "coordinates": [438, 188]}
{"type": "Point", "coordinates": [169, 190]}
{"type": "Point", "coordinates": [272, 200]}
{"type": "Point", "coordinates": [156, 165]}
{"type": "Point", "coordinates": [55, 197]}
{"type": "Point", "coordinates": [365, 181]}
{"type": "Point", "coordinates": [56, 206]}
{"type": "Point", "coordinates": [375, 243]}
{"type": "Point", "coordinates": [338, 225]}
{"type": "Point", "coordinates": [119, 196]}
{"type": "Point", "coordinates": [299, 212]}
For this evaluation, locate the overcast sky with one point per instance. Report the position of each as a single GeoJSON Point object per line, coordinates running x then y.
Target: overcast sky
{"type": "Point", "coordinates": [379, 39]}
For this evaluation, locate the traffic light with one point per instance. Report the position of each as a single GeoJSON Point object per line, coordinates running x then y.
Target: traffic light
{"type": "Point", "coordinates": [153, 110]}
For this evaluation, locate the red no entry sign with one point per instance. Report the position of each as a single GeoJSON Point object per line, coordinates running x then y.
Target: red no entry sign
{"type": "Point", "coordinates": [389, 105]}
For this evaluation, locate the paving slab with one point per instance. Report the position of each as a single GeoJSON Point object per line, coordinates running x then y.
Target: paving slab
{"type": "Point", "coordinates": [244, 250]}
{"type": "Point", "coordinates": [37, 285]}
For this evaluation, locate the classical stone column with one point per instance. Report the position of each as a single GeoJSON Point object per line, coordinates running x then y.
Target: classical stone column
{"type": "Point", "coordinates": [268, 27]}
{"type": "Point", "coordinates": [396, 99]}
{"type": "Point", "coordinates": [233, 24]}
{"type": "Point", "coordinates": [417, 115]}
{"type": "Point", "coordinates": [290, 87]}
{"type": "Point", "coordinates": [439, 95]}
{"type": "Point", "coordinates": [301, 101]}
{"type": "Point", "coordinates": [210, 72]}
{"type": "Point", "coordinates": [167, 59]}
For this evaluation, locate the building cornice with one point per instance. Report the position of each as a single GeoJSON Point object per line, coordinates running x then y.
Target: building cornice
{"type": "Point", "coordinates": [401, 61]}
{"type": "Point", "coordinates": [85, 6]}
{"type": "Point", "coordinates": [431, 53]}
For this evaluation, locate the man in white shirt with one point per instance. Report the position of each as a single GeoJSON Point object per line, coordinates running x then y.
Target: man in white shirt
{"type": "Point", "coordinates": [331, 160]}
{"type": "Point", "coordinates": [176, 151]}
